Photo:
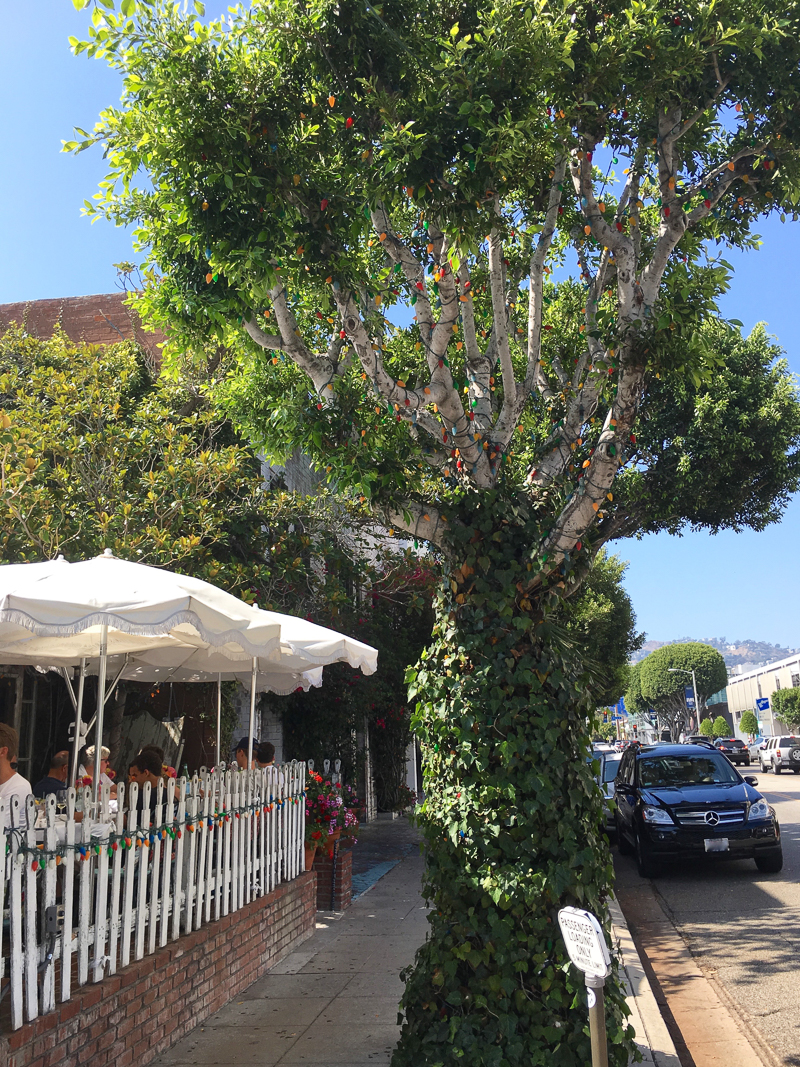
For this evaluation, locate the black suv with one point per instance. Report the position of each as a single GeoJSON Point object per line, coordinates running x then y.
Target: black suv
{"type": "Point", "coordinates": [736, 750]}
{"type": "Point", "coordinates": [679, 801]}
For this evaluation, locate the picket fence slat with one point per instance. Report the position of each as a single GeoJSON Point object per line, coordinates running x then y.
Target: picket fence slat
{"type": "Point", "coordinates": [88, 891]}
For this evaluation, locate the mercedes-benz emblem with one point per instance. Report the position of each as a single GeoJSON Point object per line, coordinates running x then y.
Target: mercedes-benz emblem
{"type": "Point", "coordinates": [712, 819]}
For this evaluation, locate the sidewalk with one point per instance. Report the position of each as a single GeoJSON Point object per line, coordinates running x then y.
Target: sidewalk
{"type": "Point", "coordinates": [334, 1000]}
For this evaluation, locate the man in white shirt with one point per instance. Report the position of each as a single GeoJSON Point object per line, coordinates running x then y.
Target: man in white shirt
{"type": "Point", "coordinates": [11, 783]}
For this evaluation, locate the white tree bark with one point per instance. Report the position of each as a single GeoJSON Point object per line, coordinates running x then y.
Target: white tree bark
{"type": "Point", "coordinates": [467, 429]}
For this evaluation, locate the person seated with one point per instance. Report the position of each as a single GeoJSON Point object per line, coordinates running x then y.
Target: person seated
{"type": "Point", "coordinates": [265, 754]}
{"type": "Point", "coordinates": [86, 770]}
{"type": "Point", "coordinates": [55, 781]}
{"type": "Point", "coordinates": [241, 753]}
{"type": "Point", "coordinates": [146, 767]}
{"type": "Point", "coordinates": [11, 783]}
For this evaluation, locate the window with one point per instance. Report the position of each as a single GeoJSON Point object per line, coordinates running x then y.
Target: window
{"type": "Point", "coordinates": [795, 681]}
{"type": "Point", "coordinates": [666, 772]}
{"type": "Point", "coordinates": [777, 685]}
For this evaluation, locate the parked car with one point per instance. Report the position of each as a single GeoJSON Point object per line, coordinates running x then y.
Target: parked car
{"type": "Point", "coordinates": [675, 802]}
{"type": "Point", "coordinates": [609, 765]}
{"type": "Point", "coordinates": [736, 750]}
{"type": "Point", "coordinates": [779, 753]}
{"type": "Point", "coordinates": [754, 745]}
{"type": "Point", "coordinates": [699, 739]}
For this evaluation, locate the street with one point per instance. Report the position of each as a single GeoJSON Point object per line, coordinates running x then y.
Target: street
{"type": "Point", "coordinates": [742, 927]}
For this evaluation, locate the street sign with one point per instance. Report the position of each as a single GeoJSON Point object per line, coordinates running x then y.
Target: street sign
{"type": "Point", "coordinates": [586, 944]}
{"type": "Point", "coordinates": [762, 703]}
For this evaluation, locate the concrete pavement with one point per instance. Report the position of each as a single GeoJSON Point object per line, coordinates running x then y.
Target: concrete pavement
{"type": "Point", "coordinates": [334, 1000]}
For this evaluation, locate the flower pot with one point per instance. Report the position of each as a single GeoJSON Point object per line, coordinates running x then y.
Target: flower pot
{"type": "Point", "coordinates": [334, 835]}
{"type": "Point", "coordinates": [310, 852]}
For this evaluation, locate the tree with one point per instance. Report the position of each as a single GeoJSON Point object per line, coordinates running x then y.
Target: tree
{"type": "Point", "coordinates": [95, 453]}
{"type": "Point", "coordinates": [707, 728]}
{"type": "Point", "coordinates": [748, 724]}
{"type": "Point", "coordinates": [323, 164]}
{"type": "Point", "coordinates": [721, 727]}
{"type": "Point", "coordinates": [601, 617]}
{"type": "Point", "coordinates": [786, 705]}
{"type": "Point", "coordinates": [665, 674]}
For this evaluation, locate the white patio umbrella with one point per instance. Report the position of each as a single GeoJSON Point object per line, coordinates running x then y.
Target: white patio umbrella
{"type": "Point", "coordinates": [61, 614]}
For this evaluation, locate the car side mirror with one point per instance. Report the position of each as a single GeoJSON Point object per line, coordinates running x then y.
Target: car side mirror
{"type": "Point", "coordinates": [762, 746]}
{"type": "Point", "coordinates": [751, 779]}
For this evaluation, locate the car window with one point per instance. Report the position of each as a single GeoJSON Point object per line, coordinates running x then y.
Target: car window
{"type": "Point", "coordinates": [624, 773]}
{"type": "Point", "coordinates": [610, 769]}
{"type": "Point", "coordinates": [788, 742]}
{"type": "Point", "coordinates": [663, 772]}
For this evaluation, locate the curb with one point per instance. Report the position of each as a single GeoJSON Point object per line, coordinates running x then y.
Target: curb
{"type": "Point", "coordinates": [652, 1037]}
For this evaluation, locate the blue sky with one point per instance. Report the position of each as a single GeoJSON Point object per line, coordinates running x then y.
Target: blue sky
{"type": "Point", "coordinates": [734, 585]}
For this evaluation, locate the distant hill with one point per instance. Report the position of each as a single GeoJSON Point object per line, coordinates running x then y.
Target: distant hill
{"type": "Point", "coordinates": [735, 653]}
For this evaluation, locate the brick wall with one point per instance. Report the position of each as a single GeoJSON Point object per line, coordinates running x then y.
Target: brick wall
{"type": "Point", "coordinates": [343, 890]}
{"type": "Point", "coordinates": [138, 1013]}
{"type": "Point", "coordinates": [99, 320]}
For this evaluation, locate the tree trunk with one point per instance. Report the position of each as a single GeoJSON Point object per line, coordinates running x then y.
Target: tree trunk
{"type": "Point", "coordinates": [512, 818]}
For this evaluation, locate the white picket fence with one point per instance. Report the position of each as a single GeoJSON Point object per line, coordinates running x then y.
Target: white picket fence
{"type": "Point", "coordinates": [81, 899]}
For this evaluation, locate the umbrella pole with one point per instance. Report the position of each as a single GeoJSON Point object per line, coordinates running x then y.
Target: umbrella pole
{"type": "Point", "coordinates": [219, 718]}
{"type": "Point", "coordinates": [101, 701]}
{"type": "Point", "coordinates": [253, 684]}
{"type": "Point", "coordinates": [76, 747]}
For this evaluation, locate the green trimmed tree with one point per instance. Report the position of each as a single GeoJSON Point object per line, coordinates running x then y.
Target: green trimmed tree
{"type": "Point", "coordinates": [465, 257]}
{"type": "Point", "coordinates": [707, 728]}
{"type": "Point", "coordinates": [786, 705]}
{"type": "Point", "coordinates": [601, 618]}
{"type": "Point", "coordinates": [721, 727]}
{"type": "Point", "coordinates": [665, 675]}
{"type": "Point", "coordinates": [748, 724]}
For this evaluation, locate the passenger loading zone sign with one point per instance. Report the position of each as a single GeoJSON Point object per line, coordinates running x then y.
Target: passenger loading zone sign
{"type": "Point", "coordinates": [585, 941]}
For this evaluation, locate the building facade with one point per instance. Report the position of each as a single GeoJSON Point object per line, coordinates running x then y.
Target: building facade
{"type": "Point", "coordinates": [745, 690]}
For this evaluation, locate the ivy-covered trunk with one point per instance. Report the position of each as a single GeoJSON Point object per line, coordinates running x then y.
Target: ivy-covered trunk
{"type": "Point", "coordinates": [511, 820]}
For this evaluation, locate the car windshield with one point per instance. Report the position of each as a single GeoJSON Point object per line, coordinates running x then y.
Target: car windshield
{"type": "Point", "coordinates": [665, 772]}
{"type": "Point", "coordinates": [731, 744]}
{"type": "Point", "coordinates": [610, 767]}
{"type": "Point", "coordinates": [789, 742]}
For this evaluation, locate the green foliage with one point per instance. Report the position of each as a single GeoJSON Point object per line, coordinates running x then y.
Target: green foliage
{"type": "Point", "coordinates": [665, 674]}
{"type": "Point", "coordinates": [601, 616]}
{"type": "Point", "coordinates": [502, 700]}
{"type": "Point", "coordinates": [322, 724]}
{"type": "Point", "coordinates": [607, 731]}
{"type": "Point", "coordinates": [786, 705]}
{"type": "Point", "coordinates": [96, 454]}
{"type": "Point", "coordinates": [721, 727]}
{"type": "Point", "coordinates": [659, 683]}
{"type": "Point", "coordinates": [707, 728]}
{"type": "Point", "coordinates": [739, 427]}
{"type": "Point", "coordinates": [327, 162]}
{"type": "Point", "coordinates": [748, 724]}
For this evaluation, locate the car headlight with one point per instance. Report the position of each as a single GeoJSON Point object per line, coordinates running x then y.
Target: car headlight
{"type": "Point", "coordinates": [656, 815]}
{"type": "Point", "coordinates": [759, 810]}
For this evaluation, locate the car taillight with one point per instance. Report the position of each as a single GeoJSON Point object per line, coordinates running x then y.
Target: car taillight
{"type": "Point", "coordinates": [778, 753]}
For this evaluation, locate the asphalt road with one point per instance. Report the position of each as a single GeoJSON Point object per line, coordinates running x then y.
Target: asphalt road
{"type": "Point", "coordinates": [742, 926]}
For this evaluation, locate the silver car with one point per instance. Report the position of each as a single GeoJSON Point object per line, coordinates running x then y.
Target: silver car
{"type": "Point", "coordinates": [609, 760]}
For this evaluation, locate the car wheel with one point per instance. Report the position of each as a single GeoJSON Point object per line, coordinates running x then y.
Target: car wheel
{"type": "Point", "coordinates": [747, 762]}
{"type": "Point", "coordinates": [645, 861]}
{"type": "Point", "coordinates": [796, 770]}
{"type": "Point", "coordinates": [770, 862]}
{"type": "Point", "coordinates": [623, 844]}
{"type": "Point", "coordinates": [776, 768]}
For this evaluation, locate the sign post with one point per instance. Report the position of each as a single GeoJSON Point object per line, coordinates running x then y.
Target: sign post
{"type": "Point", "coordinates": [587, 949]}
